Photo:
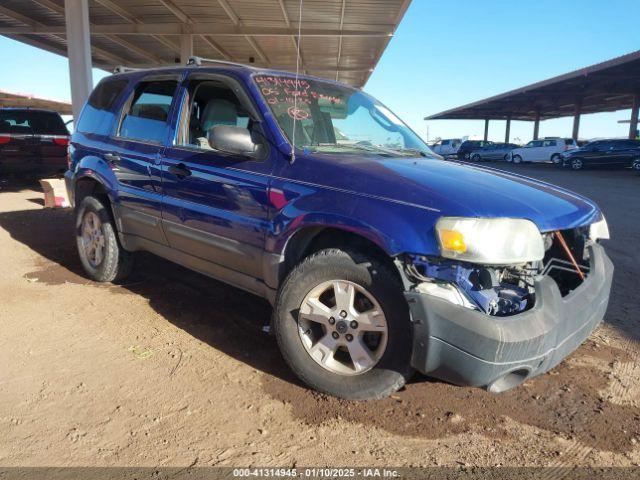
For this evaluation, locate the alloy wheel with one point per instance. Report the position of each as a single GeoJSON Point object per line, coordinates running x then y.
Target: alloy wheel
{"type": "Point", "coordinates": [93, 239]}
{"type": "Point", "coordinates": [342, 327]}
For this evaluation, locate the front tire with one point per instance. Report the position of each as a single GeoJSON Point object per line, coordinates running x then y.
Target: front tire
{"type": "Point", "coordinates": [476, 158]}
{"type": "Point", "coordinates": [342, 324]}
{"type": "Point", "coordinates": [517, 159]}
{"type": "Point", "coordinates": [636, 166]}
{"type": "Point", "coordinates": [101, 255]}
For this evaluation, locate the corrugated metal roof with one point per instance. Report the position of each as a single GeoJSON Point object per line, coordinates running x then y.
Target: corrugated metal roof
{"type": "Point", "coordinates": [341, 39]}
{"type": "Point", "coordinates": [603, 87]}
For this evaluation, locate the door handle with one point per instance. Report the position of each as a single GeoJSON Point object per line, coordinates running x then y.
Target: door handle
{"type": "Point", "coordinates": [180, 170]}
{"type": "Point", "coordinates": [112, 157]}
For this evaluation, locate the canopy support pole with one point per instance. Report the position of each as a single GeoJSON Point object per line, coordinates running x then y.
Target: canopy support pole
{"type": "Point", "coordinates": [576, 119]}
{"type": "Point", "coordinates": [633, 127]}
{"type": "Point", "coordinates": [507, 132]}
{"type": "Point", "coordinates": [486, 129]}
{"type": "Point", "coordinates": [79, 52]}
{"type": "Point", "coordinates": [536, 126]}
{"type": "Point", "coordinates": [186, 48]}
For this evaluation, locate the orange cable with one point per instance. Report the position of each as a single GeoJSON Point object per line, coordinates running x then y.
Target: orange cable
{"type": "Point", "coordinates": [569, 254]}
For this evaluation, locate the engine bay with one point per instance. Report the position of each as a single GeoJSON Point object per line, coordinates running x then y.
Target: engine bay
{"type": "Point", "coordinates": [504, 290]}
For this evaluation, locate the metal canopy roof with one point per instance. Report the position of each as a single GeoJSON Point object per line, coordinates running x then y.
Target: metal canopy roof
{"type": "Point", "coordinates": [12, 99]}
{"type": "Point", "coordinates": [603, 87]}
{"type": "Point", "coordinates": [341, 39]}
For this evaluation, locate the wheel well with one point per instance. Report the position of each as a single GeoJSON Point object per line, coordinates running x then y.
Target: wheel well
{"type": "Point", "coordinates": [88, 186]}
{"type": "Point", "coordinates": [314, 239]}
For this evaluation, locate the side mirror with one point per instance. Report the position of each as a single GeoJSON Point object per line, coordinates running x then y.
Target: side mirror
{"type": "Point", "coordinates": [232, 139]}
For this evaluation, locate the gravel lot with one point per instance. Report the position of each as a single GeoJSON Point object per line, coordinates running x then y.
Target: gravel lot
{"type": "Point", "coordinates": [173, 369]}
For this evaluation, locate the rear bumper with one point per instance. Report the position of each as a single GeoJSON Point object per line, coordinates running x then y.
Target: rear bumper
{"type": "Point", "coordinates": [466, 347]}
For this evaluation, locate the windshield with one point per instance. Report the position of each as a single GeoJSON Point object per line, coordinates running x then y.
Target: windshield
{"type": "Point", "coordinates": [334, 119]}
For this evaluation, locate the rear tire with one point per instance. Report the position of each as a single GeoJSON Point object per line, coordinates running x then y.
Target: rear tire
{"type": "Point", "coordinates": [577, 164]}
{"type": "Point", "coordinates": [636, 166]}
{"type": "Point", "coordinates": [476, 158]}
{"type": "Point", "coordinates": [101, 254]}
{"type": "Point", "coordinates": [305, 322]}
{"type": "Point", "coordinates": [556, 159]}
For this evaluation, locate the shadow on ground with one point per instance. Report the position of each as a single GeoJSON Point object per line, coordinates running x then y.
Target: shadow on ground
{"type": "Point", "coordinates": [567, 402]}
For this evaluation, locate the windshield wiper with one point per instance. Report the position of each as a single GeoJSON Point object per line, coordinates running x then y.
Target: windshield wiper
{"type": "Point", "coordinates": [352, 146]}
{"type": "Point", "coordinates": [411, 151]}
{"type": "Point", "coordinates": [377, 149]}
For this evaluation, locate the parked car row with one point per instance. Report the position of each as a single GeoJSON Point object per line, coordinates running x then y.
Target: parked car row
{"type": "Point", "coordinates": [564, 152]}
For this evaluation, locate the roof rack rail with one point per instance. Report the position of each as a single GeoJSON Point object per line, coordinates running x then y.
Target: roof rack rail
{"type": "Point", "coordinates": [198, 61]}
{"type": "Point", "coordinates": [125, 69]}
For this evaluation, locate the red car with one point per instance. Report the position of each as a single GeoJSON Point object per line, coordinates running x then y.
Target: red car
{"type": "Point", "coordinates": [33, 142]}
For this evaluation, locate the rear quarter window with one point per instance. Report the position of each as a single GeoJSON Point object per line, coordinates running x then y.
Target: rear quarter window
{"type": "Point", "coordinates": [98, 116]}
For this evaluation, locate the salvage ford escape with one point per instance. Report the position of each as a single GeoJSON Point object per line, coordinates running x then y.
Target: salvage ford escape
{"type": "Point", "coordinates": [378, 257]}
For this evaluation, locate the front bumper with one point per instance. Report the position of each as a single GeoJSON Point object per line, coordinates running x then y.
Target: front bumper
{"type": "Point", "coordinates": [466, 347]}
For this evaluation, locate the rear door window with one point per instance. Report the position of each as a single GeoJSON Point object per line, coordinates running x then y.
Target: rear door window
{"type": "Point", "coordinates": [146, 114]}
{"type": "Point", "coordinates": [549, 143]}
{"type": "Point", "coordinates": [31, 122]}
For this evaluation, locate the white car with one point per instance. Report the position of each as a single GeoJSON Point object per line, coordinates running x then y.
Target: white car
{"type": "Point", "coordinates": [544, 150]}
{"type": "Point", "coordinates": [447, 147]}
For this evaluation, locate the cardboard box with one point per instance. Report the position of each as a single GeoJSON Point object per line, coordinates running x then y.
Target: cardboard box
{"type": "Point", "coordinates": [55, 193]}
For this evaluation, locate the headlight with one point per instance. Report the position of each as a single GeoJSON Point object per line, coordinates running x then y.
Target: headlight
{"type": "Point", "coordinates": [490, 241]}
{"type": "Point", "coordinates": [599, 230]}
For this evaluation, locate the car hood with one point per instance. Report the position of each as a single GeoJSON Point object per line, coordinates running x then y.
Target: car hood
{"type": "Point", "coordinates": [457, 189]}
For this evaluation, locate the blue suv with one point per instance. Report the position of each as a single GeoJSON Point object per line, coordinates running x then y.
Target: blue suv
{"type": "Point", "coordinates": [378, 257]}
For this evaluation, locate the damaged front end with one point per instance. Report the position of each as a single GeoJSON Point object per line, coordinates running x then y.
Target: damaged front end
{"type": "Point", "coordinates": [480, 270]}
{"type": "Point", "coordinates": [503, 290]}
{"type": "Point", "coordinates": [496, 324]}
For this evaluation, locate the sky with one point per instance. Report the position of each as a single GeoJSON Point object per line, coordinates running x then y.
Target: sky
{"type": "Point", "coordinates": [443, 55]}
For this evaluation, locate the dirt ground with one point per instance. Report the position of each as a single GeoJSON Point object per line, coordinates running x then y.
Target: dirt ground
{"type": "Point", "coordinates": [173, 369]}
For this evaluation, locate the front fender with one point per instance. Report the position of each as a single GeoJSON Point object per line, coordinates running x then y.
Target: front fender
{"type": "Point", "coordinates": [396, 227]}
